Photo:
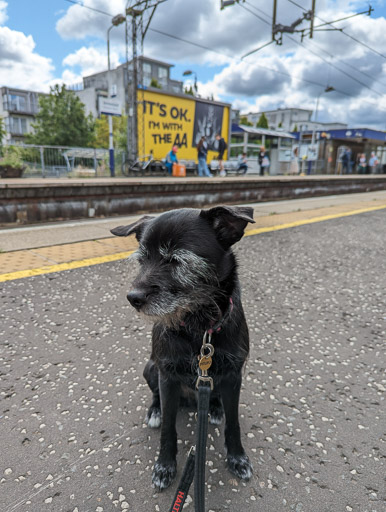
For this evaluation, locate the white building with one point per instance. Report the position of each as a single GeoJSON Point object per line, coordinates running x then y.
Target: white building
{"type": "Point", "coordinates": [292, 119]}
{"type": "Point", "coordinates": [95, 86]}
{"type": "Point", "coordinates": [18, 108]}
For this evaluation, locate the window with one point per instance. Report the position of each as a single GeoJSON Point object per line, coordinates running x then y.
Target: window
{"type": "Point", "coordinates": [162, 73]}
{"type": "Point", "coordinates": [17, 102]}
{"type": "Point", "coordinates": [17, 125]}
{"type": "Point", "coordinates": [146, 68]}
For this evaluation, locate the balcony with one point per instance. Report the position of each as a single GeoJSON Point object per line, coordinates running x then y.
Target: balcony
{"type": "Point", "coordinates": [31, 110]}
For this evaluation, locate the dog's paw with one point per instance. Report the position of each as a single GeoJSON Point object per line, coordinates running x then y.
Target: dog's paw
{"type": "Point", "coordinates": [240, 466]}
{"type": "Point", "coordinates": [153, 417]}
{"type": "Point", "coordinates": [216, 415]}
{"type": "Point", "coordinates": [163, 474]}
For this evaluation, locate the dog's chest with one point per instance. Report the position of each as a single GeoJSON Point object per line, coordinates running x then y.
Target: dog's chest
{"type": "Point", "coordinates": [183, 365]}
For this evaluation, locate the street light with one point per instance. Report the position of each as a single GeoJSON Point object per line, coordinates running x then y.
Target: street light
{"type": "Point", "coordinates": [189, 72]}
{"type": "Point", "coordinates": [329, 88]}
{"type": "Point", "coordinates": [117, 20]}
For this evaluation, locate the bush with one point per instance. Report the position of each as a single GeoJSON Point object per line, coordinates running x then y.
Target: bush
{"type": "Point", "coordinates": [12, 157]}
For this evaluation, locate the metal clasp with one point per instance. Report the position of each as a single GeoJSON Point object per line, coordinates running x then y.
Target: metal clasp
{"type": "Point", "coordinates": [204, 378]}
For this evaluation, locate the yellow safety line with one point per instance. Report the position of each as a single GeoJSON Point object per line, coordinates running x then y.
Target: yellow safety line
{"type": "Point", "coordinates": [257, 231]}
{"type": "Point", "coordinates": [120, 256]}
{"type": "Point", "coordinates": [64, 266]}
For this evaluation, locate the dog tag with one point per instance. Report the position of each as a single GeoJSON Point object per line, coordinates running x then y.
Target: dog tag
{"type": "Point", "coordinates": [205, 363]}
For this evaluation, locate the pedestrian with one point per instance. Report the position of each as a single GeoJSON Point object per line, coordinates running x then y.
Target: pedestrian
{"type": "Point", "coordinates": [171, 158]}
{"type": "Point", "coordinates": [294, 167]}
{"type": "Point", "coordinates": [349, 159]}
{"type": "Point", "coordinates": [202, 150]}
{"type": "Point", "coordinates": [222, 146]}
{"type": "Point", "coordinates": [242, 163]}
{"type": "Point", "coordinates": [362, 163]}
{"type": "Point", "coordinates": [263, 160]}
{"type": "Point", "coordinates": [345, 161]}
{"type": "Point", "coordinates": [373, 162]}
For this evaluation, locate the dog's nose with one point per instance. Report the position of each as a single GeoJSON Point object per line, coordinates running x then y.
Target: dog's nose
{"type": "Point", "coordinates": [137, 298]}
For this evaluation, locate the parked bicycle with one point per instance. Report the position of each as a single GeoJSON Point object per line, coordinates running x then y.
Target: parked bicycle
{"type": "Point", "coordinates": [142, 164]}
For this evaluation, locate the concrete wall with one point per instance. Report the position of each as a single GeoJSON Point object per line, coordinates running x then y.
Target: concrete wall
{"type": "Point", "coordinates": [43, 201]}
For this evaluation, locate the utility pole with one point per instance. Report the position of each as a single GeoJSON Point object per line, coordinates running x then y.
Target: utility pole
{"type": "Point", "coordinates": [117, 20]}
{"type": "Point", "coordinates": [141, 13]}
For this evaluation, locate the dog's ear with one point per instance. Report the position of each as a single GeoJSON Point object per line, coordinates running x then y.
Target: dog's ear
{"type": "Point", "coordinates": [228, 222]}
{"type": "Point", "coordinates": [136, 227]}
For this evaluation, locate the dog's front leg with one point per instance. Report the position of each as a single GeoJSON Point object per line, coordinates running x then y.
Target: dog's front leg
{"type": "Point", "coordinates": [165, 468]}
{"type": "Point", "coordinates": [238, 461]}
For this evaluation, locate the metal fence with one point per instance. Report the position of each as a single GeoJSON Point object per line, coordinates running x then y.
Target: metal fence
{"type": "Point", "coordinates": [63, 162]}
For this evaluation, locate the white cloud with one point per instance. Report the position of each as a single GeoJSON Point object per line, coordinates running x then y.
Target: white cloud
{"type": "Point", "coordinates": [90, 60]}
{"type": "Point", "coordinates": [3, 13]}
{"type": "Point", "coordinates": [20, 65]}
{"type": "Point", "coordinates": [277, 76]}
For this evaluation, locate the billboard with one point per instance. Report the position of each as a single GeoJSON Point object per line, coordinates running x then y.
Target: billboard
{"type": "Point", "coordinates": [166, 120]}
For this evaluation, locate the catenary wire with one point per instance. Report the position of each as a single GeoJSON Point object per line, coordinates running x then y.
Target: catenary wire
{"type": "Point", "coordinates": [342, 31]}
{"type": "Point", "coordinates": [317, 55]}
{"type": "Point", "coordinates": [225, 55]}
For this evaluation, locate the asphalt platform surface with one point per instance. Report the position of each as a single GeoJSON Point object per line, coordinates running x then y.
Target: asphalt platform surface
{"type": "Point", "coordinates": [313, 415]}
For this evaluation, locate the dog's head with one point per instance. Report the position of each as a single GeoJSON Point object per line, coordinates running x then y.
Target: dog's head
{"type": "Point", "coordinates": [184, 257]}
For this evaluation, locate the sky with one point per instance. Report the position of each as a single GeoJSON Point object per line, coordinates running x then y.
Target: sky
{"type": "Point", "coordinates": [44, 42]}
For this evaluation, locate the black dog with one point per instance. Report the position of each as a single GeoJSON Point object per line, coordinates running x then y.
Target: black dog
{"type": "Point", "coordinates": [188, 283]}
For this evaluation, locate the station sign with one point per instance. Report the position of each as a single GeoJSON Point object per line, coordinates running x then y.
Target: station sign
{"type": "Point", "coordinates": [110, 107]}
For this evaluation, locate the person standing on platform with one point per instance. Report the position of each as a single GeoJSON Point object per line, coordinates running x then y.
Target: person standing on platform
{"type": "Point", "coordinates": [373, 163]}
{"type": "Point", "coordinates": [222, 145]}
{"type": "Point", "coordinates": [263, 160]}
{"type": "Point", "coordinates": [202, 150]}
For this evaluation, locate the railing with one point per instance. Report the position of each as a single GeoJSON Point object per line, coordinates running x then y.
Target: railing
{"type": "Point", "coordinates": [62, 161]}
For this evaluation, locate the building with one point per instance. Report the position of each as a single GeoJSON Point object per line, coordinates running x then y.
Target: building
{"type": "Point", "coordinates": [96, 85]}
{"type": "Point", "coordinates": [18, 108]}
{"type": "Point", "coordinates": [292, 119]}
{"type": "Point", "coordinates": [327, 147]}
{"type": "Point", "coordinates": [285, 118]}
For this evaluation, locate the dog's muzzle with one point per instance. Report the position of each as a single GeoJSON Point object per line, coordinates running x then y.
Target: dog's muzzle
{"type": "Point", "coordinates": [138, 298]}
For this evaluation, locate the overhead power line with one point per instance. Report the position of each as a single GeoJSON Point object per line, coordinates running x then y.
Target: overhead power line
{"type": "Point", "coordinates": [341, 30]}
{"type": "Point", "coordinates": [309, 50]}
{"type": "Point", "coordinates": [237, 59]}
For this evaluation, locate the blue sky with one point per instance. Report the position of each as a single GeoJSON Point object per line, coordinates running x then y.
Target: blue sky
{"type": "Point", "coordinates": [45, 41]}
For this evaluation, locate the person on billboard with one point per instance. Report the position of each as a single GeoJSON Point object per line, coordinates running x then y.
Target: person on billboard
{"type": "Point", "coordinates": [171, 158]}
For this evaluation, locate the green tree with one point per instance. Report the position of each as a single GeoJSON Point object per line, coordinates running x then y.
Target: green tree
{"type": "Point", "coordinates": [262, 122]}
{"type": "Point", "coordinates": [101, 139]}
{"type": "Point", "coordinates": [295, 128]}
{"type": "Point", "coordinates": [62, 120]}
{"type": "Point", "coordinates": [245, 122]}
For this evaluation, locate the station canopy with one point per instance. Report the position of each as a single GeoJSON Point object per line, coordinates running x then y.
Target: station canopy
{"type": "Point", "coordinates": [236, 128]}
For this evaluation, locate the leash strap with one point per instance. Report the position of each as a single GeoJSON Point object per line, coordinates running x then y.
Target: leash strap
{"type": "Point", "coordinates": [184, 485]}
{"type": "Point", "coordinates": [202, 433]}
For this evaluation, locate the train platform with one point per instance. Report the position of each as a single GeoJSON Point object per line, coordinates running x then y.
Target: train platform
{"type": "Point", "coordinates": [40, 249]}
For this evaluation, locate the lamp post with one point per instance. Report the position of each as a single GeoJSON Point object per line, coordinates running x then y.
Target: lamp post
{"type": "Point", "coordinates": [189, 72]}
{"type": "Point", "coordinates": [329, 88]}
{"type": "Point", "coordinates": [117, 20]}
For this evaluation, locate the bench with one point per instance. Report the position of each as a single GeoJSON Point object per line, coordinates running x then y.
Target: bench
{"type": "Point", "coordinates": [229, 166]}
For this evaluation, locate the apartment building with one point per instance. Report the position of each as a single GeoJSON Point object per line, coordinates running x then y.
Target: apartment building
{"type": "Point", "coordinates": [18, 108]}
{"type": "Point", "coordinates": [96, 85]}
